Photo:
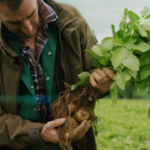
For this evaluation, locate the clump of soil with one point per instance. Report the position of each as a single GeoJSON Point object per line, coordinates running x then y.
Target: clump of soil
{"type": "Point", "coordinates": [76, 106]}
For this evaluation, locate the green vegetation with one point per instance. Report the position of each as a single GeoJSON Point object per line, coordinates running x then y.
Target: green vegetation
{"type": "Point", "coordinates": [126, 54]}
{"type": "Point", "coordinates": [123, 127]}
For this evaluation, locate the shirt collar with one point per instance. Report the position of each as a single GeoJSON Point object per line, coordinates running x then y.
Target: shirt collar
{"type": "Point", "coordinates": [47, 13]}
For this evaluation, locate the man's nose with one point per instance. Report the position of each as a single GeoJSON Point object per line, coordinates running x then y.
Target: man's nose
{"type": "Point", "coordinates": [27, 27]}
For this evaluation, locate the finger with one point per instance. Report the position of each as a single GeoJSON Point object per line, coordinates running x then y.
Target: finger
{"type": "Point", "coordinates": [55, 136]}
{"type": "Point", "coordinates": [93, 83]}
{"type": "Point", "coordinates": [76, 134]}
{"type": "Point", "coordinates": [101, 77]}
{"type": "Point", "coordinates": [56, 123]}
{"type": "Point", "coordinates": [86, 129]}
{"type": "Point", "coordinates": [98, 78]}
{"type": "Point", "coordinates": [102, 74]}
{"type": "Point", "coordinates": [109, 72]}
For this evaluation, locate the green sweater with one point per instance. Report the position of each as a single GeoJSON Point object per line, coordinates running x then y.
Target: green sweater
{"type": "Point", "coordinates": [27, 103]}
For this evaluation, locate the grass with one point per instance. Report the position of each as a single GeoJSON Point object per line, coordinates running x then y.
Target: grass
{"type": "Point", "coordinates": [123, 127]}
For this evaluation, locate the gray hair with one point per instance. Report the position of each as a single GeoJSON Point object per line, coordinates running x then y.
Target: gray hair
{"type": "Point", "coordinates": [12, 4]}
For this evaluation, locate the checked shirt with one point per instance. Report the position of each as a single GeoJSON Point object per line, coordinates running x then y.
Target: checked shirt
{"type": "Point", "coordinates": [34, 64]}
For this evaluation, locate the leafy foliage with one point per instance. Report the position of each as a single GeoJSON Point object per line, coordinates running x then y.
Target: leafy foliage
{"type": "Point", "coordinates": [127, 53]}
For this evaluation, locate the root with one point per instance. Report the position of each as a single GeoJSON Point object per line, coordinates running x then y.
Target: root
{"type": "Point", "coordinates": [83, 97]}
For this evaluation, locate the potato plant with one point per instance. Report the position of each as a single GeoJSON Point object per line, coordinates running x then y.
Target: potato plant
{"type": "Point", "coordinates": [76, 106]}
{"type": "Point", "coordinates": [126, 53]}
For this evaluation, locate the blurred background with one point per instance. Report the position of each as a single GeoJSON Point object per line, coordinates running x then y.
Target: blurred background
{"type": "Point", "coordinates": [125, 126]}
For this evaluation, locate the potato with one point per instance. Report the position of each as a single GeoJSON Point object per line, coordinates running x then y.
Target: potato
{"type": "Point", "coordinates": [81, 114]}
{"type": "Point", "coordinates": [70, 124]}
{"type": "Point", "coordinates": [67, 96]}
{"type": "Point", "coordinates": [56, 105]}
{"type": "Point", "coordinates": [90, 99]}
{"type": "Point", "coordinates": [89, 122]}
{"type": "Point", "coordinates": [71, 108]}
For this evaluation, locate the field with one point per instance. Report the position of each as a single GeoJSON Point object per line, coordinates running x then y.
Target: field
{"type": "Point", "coordinates": [123, 127]}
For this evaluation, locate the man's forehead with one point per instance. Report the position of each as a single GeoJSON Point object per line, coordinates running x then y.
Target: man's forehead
{"type": "Point", "coordinates": [21, 13]}
{"type": "Point", "coordinates": [12, 4]}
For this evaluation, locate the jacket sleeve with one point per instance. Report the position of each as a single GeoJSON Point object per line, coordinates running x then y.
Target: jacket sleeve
{"type": "Point", "coordinates": [18, 133]}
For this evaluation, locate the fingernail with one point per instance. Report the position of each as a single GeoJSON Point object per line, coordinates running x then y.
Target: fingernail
{"type": "Point", "coordinates": [63, 119]}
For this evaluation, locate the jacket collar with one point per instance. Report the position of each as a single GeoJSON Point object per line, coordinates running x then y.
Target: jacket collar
{"type": "Point", "coordinates": [3, 41]}
{"type": "Point", "coordinates": [65, 16]}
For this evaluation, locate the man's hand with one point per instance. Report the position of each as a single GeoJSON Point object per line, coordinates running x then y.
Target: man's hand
{"type": "Point", "coordinates": [49, 131]}
{"type": "Point", "coordinates": [79, 132]}
{"type": "Point", "coordinates": [101, 80]}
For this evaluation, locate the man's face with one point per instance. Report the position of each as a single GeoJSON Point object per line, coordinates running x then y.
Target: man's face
{"type": "Point", "coordinates": [22, 22]}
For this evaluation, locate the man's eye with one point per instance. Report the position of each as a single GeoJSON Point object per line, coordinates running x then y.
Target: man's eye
{"type": "Point", "coordinates": [13, 22]}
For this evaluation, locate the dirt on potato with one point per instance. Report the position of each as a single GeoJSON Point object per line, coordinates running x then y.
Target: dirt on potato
{"type": "Point", "coordinates": [76, 106]}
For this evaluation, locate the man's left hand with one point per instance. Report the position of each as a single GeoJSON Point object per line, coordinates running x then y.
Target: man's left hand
{"type": "Point", "coordinates": [101, 80]}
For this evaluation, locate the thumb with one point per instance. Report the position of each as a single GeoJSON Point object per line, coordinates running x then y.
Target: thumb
{"type": "Point", "coordinates": [57, 123]}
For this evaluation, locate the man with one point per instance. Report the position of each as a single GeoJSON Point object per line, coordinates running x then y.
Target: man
{"type": "Point", "coordinates": [42, 45]}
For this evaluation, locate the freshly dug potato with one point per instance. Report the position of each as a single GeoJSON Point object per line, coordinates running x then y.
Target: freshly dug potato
{"type": "Point", "coordinates": [81, 114]}
{"type": "Point", "coordinates": [56, 106]}
{"type": "Point", "coordinates": [89, 122]}
{"type": "Point", "coordinates": [90, 99]}
{"type": "Point", "coordinates": [70, 124]}
{"type": "Point", "coordinates": [67, 96]}
{"type": "Point", "coordinates": [71, 108]}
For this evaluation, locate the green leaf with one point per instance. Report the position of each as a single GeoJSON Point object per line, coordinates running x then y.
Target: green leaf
{"type": "Point", "coordinates": [105, 61]}
{"type": "Point", "coordinates": [97, 50]}
{"type": "Point", "coordinates": [120, 33]}
{"type": "Point", "coordinates": [96, 60]}
{"type": "Point", "coordinates": [119, 54]}
{"type": "Point", "coordinates": [144, 11]}
{"type": "Point", "coordinates": [84, 75]}
{"type": "Point", "coordinates": [141, 31]}
{"type": "Point", "coordinates": [80, 83]}
{"type": "Point", "coordinates": [145, 72]}
{"type": "Point", "coordinates": [132, 73]}
{"type": "Point", "coordinates": [131, 62]}
{"type": "Point", "coordinates": [145, 24]}
{"type": "Point", "coordinates": [126, 76]}
{"type": "Point", "coordinates": [114, 32]}
{"type": "Point", "coordinates": [133, 16]}
{"type": "Point", "coordinates": [143, 89]}
{"type": "Point", "coordinates": [113, 92]}
{"type": "Point", "coordinates": [123, 24]}
{"type": "Point", "coordinates": [129, 40]}
{"type": "Point", "coordinates": [129, 43]}
{"type": "Point", "coordinates": [143, 47]}
{"type": "Point", "coordinates": [132, 31]}
{"type": "Point", "coordinates": [147, 17]}
{"type": "Point", "coordinates": [131, 23]}
{"type": "Point", "coordinates": [145, 59]}
{"type": "Point", "coordinates": [107, 44]}
{"type": "Point", "coordinates": [120, 79]}
{"type": "Point", "coordinates": [117, 42]}
{"type": "Point", "coordinates": [138, 77]}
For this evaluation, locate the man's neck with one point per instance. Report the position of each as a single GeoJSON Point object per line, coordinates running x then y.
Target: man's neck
{"type": "Point", "coordinates": [30, 42]}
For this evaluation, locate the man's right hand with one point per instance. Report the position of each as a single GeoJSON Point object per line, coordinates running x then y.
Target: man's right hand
{"type": "Point", "coordinates": [49, 132]}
